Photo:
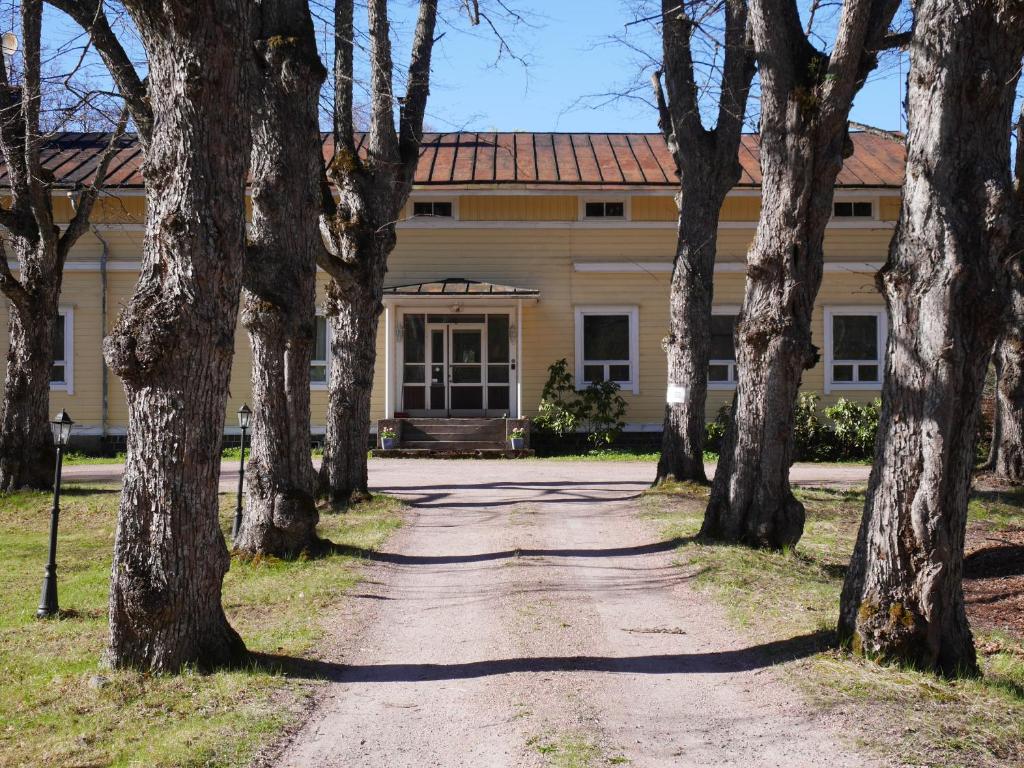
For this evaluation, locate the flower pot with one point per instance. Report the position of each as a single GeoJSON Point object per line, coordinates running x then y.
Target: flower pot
{"type": "Point", "coordinates": [387, 443]}
{"type": "Point", "coordinates": [518, 443]}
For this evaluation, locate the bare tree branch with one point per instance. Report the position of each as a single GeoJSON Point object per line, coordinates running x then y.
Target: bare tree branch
{"type": "Point", "coordinates": [80, 222]}
{"type": "Point", "coordinates": [89, 15]}
{"type": "Point", "coordinates": [413, 108]}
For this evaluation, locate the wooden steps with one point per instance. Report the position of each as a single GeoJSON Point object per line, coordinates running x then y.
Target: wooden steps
{"type": "Point", "coordinates": [451, 438]}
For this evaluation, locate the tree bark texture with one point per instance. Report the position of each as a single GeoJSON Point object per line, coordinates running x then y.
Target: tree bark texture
{"type": "Point", "coordinates": [353, 315]}
{"type": "Point", "coordinates": [279, 298]}
{"type": "Point", "coordinates": [173, 343]}
{"type": "Point", "coordinates": [805, 104]}
{"type": "Point", "coordinates": [26, 444]}
{"type": "Point", "coordinates": [708, 166]}
{"type": "Point", "coordinates": [903, 595]}
{"type": "Point", "coordinates": [1007, 454]}
{"type": "Point", "coordinates": [359, 229]}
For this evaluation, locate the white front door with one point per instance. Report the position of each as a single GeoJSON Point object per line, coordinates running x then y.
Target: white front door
{"type": "Point", "coordinates": [457, 368]}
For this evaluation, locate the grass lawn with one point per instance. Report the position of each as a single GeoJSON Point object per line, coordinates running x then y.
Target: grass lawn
{"type": "Point", "coordinates": [915, 717]}
{"type": "Point", "coordinates": [60, 707]}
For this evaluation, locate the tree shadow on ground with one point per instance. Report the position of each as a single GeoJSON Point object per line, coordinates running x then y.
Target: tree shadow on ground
{"type": "Point", "coordinates": [995, 562]}
{"type": "Point", "coordinates": [712, 662]}
{"type": "Point", "coordinates": [394, 558]}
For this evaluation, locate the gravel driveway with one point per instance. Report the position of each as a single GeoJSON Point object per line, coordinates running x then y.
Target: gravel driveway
{"type": "Point", "coordinates": [526, 616]}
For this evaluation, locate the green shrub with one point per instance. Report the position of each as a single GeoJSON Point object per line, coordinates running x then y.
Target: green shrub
{"type": "Point", "coordinates": [563, 410]}
{"type": "Point", "coordinates": [811, 436]}
{"type": "Point", "coordinates": [847, 433]}
{"type": "Point", "coordinates": [854, 426]}
{"type": "Point", "coordinates": [715, 431]}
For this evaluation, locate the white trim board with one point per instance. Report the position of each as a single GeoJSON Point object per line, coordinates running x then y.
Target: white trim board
{"type": "Point", "coordinates": [623, 267]}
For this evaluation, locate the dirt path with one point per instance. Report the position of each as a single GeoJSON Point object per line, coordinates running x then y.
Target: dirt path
{"type": "Point", "coordinates": [526, 617]}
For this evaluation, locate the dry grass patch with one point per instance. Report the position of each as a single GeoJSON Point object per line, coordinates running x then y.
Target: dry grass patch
{"type": "Point", "coordinates": [911, 716]}
{"type": "Point", "coordinates": [60, 707]}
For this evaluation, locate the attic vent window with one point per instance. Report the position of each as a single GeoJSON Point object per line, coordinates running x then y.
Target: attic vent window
{"type": "Point", "coordinates": [605, 210]}
{"type": "Point", "coordinates": [432, 208]}
{"type": "Point", "coordinates": [853, 210]}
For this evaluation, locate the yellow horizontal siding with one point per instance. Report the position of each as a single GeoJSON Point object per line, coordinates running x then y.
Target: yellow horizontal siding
{"type": "Point", "coordinates": [746, 208]}
{"type": "Point", "coordinates": [518, 208]}
{"type": "Point", "coordinates": [643, 208]}
{"type": "Point", "coordinates": [889, 208]}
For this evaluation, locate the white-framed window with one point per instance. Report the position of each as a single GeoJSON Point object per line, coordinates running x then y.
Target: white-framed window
{"type": "Point", "coordinates": [318, 366]}
{"type": "Point", "coordinates": [722, 348]}
{"type": "Point", "coordinates": [853, 209]}
{"type": "Point", "coordinates": [62, 373]}
{"type": "Point", "coordinates": [854, 347]}
{"type": "Point", "coordinates": [604, 209]}
{"type": "Point", "coordinates": [436, 208]}
{"type": "Point", "coordinates": [608, 346]}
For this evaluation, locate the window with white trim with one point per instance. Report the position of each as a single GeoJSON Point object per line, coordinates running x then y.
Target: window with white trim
{"type": "Point", "coordinates": [853, 209]}
{"type": "Point", "coordinates": [318, 363]}
{"type": "Point", "coordinates": [61, 378]}
{"type": "Point", "coordinates": [722, 349]}
{"type": "Point", "coordinates": [438, 208]}
{"type": "Point", "coordinates": [604, 209]}
{"type": "Point", "coordinates": [854, 347]}
{"type": "Point", "coordinates": [607, 346]}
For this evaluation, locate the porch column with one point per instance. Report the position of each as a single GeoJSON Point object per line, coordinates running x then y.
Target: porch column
{"type": "Point", "coordinates": [519, 359]}
{"type": "Point", "coordinates": [389, 361]}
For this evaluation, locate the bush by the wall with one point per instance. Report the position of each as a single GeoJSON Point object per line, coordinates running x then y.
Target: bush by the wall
{"type": "Point", "coordinates": [598, 409]}
{"type": "Point", "coordinates": [846, 433]}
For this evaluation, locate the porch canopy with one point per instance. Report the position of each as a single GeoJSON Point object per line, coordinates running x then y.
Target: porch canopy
{"type": "Point", "coordinates": [460, 287]}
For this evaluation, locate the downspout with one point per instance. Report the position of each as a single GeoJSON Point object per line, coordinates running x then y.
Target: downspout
{"type": "Point", "coordinates": [104, 257]}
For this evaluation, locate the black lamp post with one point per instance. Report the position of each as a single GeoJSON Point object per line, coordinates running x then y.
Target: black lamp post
{"type": "Point", "coordinates": [244, 417]}
{"type": "Point", "coordinates": [61, 427]}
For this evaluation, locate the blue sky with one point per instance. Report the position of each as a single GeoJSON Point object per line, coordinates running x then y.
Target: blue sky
{"type": "Point", "coordinates": [569, 56]}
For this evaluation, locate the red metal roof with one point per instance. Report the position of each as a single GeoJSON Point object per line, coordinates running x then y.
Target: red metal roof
{"type": "Point", "coordinates": [467, 158]}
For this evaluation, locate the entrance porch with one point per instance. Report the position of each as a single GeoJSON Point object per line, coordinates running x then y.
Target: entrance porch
{"type": "Point", "coordinates": [454, 349]}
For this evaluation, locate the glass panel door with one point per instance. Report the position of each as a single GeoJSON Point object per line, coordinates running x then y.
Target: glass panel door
{"type": "Point", "coordinates": [437, 337]}
{"type": "Point", "coordinates": [466, 370]}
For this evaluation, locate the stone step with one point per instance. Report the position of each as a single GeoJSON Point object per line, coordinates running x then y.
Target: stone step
{"type": "Point", "coordinates": [431, 422]}
{"type": "Point", "coordinates": [453, 445]}
{"type": "Point", "coordinates": [410, 433]}
{"type": "Point", "coordinates": [423, 453]}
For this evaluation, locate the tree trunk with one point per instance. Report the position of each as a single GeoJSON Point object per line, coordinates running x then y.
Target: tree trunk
{"type": "Point", "coordinates": [173, 343]}
{"type": "Point", "coordinates": [352, 313]}
{"type": "Point", "coordinates": [279, 300]}
{"type": "Point", "coordinates": [751, 500]}
{"type": "Point", "coordinates": [805, 105]}
{"type": "Point", "coordinates": [686, 347]}
{"type": "Point", "coordinates": [903, 596]}
{"type": "Point", "coordinates": [1007, 456]}
{"type": "Point", "coordinates": [26, 443]}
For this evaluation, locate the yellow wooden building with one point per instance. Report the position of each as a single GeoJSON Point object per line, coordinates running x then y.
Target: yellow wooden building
{"type": "Point", "coordinates": [515, 250]}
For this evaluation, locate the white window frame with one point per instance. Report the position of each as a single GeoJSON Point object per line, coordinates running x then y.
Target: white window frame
{"type": "Point", "coordinates": [320, 386]}
{"type": "Point", "coordinates": [830, 360]}
{"type": "Point", "coordinates": [731, 383]}
{"type": "Point", "coordinates": [584, 199]}
{"type": "Point", "coordinates": [68, 385]}
{"type": "Point", "coordinates": [633, 313]}
{"type": "Point", "coordinates": [432, 199]}
{"type": "Point", "coordinates": [872, 201]}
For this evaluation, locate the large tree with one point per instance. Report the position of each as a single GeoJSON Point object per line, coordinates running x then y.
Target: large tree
{"type": "Point", "coordinates": [278, 305]}
{"type": "Point", "coordinates": [173, 343]}
{"type": "Point", "coordinates": [36, 241]}
{"type": "Point", "coordinates": [806, 96]}
{"type": "Point", "coordinates": [1006, 458]}
{"type": "Point", "coordinates": [951, 257]}
{"type": "Point", "coordinates": [359, 228]}
{"type": "Point", "coordinates": [708, 164]}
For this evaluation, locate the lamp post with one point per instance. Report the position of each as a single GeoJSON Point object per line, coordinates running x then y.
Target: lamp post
{"type": "Point", "coordinates": [244, 417]}
{"type": "Point", "coordinates": [61, 427]}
